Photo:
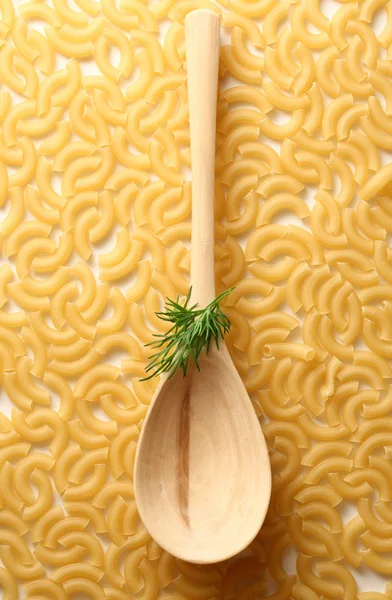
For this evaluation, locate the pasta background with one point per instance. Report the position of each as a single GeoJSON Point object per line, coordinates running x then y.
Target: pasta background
{"type": "Point", "coordinates": [95, 204]}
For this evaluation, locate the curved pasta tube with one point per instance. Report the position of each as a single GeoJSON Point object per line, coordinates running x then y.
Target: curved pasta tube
{"type": "Point", "coordinates": [57, 557]}
{"type": "Point", "coordinates": [352, 529]}
{"type": "Point", "coordinates": [341, 394]}
{"type": "Point", "coordinates": [380, 138]}
{"type": "Point", "coordinates": [68, 80]}
{"type": "Point", "coordinates": [333, 112]}
{"type": "Point", "coordinates": [78, 366]}
{"type": "Point", "coordinates": [45, 587]}
{"type": "Point", "coordinates": [161, 216]}
{"type": "Point", "coordinates": [44, 523]}
{"type": "Point", "coordinates": [63, 465]}
{"type": "Point", "coordinates": [13, 219]}
{"type": "Point", "coordinates": [27, 83]}
{"type": "Point", "coordinates": [114, 551]}
{"type": "Point", "coordinates": [146, 201]}
{"type": "Point", "coordinates": [328, 236]}
{"type": "Point", "coordinates": [347, 182]}
{"type": "Point", "coordinates": [76, 204]}
{"type": "Point", "coordinates": [304, 79]}
{"type": "Point", "coordinates": [85, 586]}
{"type": "Point", "coordinates": [240, 62]}
{"type": "Point", "coordinates": [27, 386]}
{"type": "Point", "coordinates": [58, 255]}
{"type": "Point", "coordinates": [89, 488]}
{"type": "Point", "coordinates": [323, 72]}
{"type": "Point", "coordinates": [20, 570]}
{"type": "Point", "coordinates": [291, 349]}
{"type": "Point", "coordinates": [292, 165]}
{"type": "Point", "coordinates": [261, 238]}
{"type": "Point", "coordinates": [358, 241]}
{"type": "Point", "coordinates": [123, 154]}
{"type": "Point", "coordinates": [379, 117]}
{"type": "Point", "coordinates": [117, 454]}
{"type": "Point", "coordinates": [40, 425]}
{"type": "Point", "coordinates": [354, 52]}
{"type": "Point", "coordinates": [376, 183]}
{"type": "Point", "coordinates": [25, 468]}
{"type": "Point", "coordinates": [368, 148]}
{"type": "Point", "coordinates": [111, 490]}
{"type": "Point", "coordinates": [272, 20]}
{"type": "Point", "coordinates": [8, 16]}
{"type": "Point", "coordinates": [314, 41]}
{"type": "Point", "coordinates": [102, 48]}
{"type": "Point", "coordinates": [6, 275]}
{"type": "Point", "coordinates": [125, 265]}
{"type": "Point", "coordinates": [41, 212]}
{"type": "Point", "coordinates": [25, 230]}
{"type": "Point", "coordinates": [49, 334]}
{"type": "Point", "coordinates": [282, 202]}
{"type": "Point", "coordinates": [240, 94]}
{"type": "Point", "coordinates": [92, 422]}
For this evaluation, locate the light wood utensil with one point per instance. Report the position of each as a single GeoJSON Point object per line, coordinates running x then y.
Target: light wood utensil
{"type": "Point", "coordinates": [202, 474]}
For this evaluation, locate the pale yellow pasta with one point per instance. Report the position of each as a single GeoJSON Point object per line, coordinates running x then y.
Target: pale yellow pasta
{"type": "Point", "coordinates": [15, 214]}
{"type": "Point", "coordinates": [333, 113]}
{"type": "Point", "coordinates": [236, 59]}
{"type": "Point", "coordinates": [240, 59]}
{"type": "Point", "coordinates": [289, 349]}
{"type": "Point", "coordinates": [95, 232]}
{"type": "Point", "coordinates": [36, 393]}
{"type": "Point", "coordinates": [273, 272]}
{"type": "Point", "coordinates": [310, 327]}
{"type": "Point", "coordinates": [323, 71]}
{"type": "Point", "coordinates": [327, 293]}
{"type": "Point", "coordinates": [262, 237]}
{"type": "Point", "coordinates": [348, 83]}
{"type": "Point", "coordinates": [354, 52]}
{"type": "Point", "coordinates": [58, 557]}
{"type": "Point", "coordinates": [282, 202]}
{"type": "Point", "coordinates": [125, 265]}
{"type": "Point", "coordinates": [20, 570]}
{"type": "Point", "coordinates": [348, 120]}
{"type": "Point", "coordinates": [311, 245]}
{"type": "Point", "coordinates": [357, 241]}
{"type": "Point", "coordinates": [324, 234]}
{"type": "Point", "coordinates": [300, 31]}
{"type": "Point", "coordinates": [364, 144]}
{"type": "Point", "coordinates": [385, 37]}
{"type": "Point", "coordinates": [89, 440]}
{"type": "Point", "coordinates": [377, 182]}
{"type": "Point", "coordinates": [294, 285]}
{"type": "Point", "coordinates": [292, 163]}
{"type": "Point", "coordinates": [275, 70]}
{"type": "Point", "coordinates": [356, 157]}
{"type": "Point", "coordinates": [304, 79]}
{"type": "Point", "coordinates": [381, 139]}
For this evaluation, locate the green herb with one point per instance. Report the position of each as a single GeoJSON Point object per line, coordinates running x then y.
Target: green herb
{"type": "Point", "coordinates": [192, 331]}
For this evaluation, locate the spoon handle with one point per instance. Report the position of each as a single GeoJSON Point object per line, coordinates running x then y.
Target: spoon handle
{"type": "Point", "coordinates": [202, 29]}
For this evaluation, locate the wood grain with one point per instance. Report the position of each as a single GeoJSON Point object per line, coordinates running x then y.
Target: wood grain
{"type": "Point", "coordinates": [183, 454]}
{"type": "Point", "coordinates": [203, 477]}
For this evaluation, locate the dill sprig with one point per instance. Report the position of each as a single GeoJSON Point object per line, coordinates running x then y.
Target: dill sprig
{"type": "Point", "coordinates": [193, 329]}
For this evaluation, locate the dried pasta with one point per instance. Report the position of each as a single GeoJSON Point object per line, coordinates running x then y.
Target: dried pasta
{"type": "Point", "coordinates": [95, 231]}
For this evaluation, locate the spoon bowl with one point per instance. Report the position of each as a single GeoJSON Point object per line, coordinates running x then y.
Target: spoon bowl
{"type": "Point", "coordinates": [202, 473]}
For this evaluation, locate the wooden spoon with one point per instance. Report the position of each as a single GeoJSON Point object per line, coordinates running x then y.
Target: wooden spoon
{"type": "Point", "coordinates": [202, 474]}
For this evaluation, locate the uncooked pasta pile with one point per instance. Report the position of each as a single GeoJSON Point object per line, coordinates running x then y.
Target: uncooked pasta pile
{"type": "Point", "coordinates": [95, 202]}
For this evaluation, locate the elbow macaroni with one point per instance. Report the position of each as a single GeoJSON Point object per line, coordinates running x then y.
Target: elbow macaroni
{"type": "Point", "coordinates": [95, 232]}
